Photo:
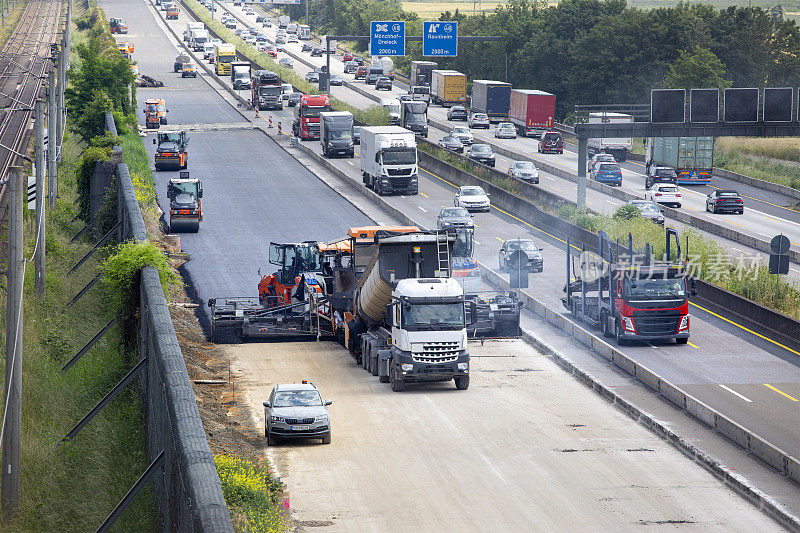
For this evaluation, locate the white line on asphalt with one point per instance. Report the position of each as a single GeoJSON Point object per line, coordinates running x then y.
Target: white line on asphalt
{"type": "Point", "coordinates": [790, 268]}
{"type": "Point", "coordinates": [745, 398]}
{"type": "Point", "coordinates": [476, 242]}
{"type": "Point", "coordinates": [403, 197]}
{"type": "Point", "coordinates": [763, 234]}
{"type": "Point", "coordinates": [350, 163]}
{"type": "Point", "coordinates": [421, 209]}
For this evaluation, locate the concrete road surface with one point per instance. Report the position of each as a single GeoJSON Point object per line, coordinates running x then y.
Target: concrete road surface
{"type": "Point", "coordinates": [526, 448]}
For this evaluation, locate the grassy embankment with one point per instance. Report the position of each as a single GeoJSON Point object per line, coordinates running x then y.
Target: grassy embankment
{"type": "Point", "coordinates": [375, 114]}
{"type": "Point", "coordinates": [761, 158]}
{"type": "Point", "coordinates": [709, 260]}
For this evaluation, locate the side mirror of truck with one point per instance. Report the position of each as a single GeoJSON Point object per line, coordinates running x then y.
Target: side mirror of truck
{"type": "Point", "coordinates": [154, 141]}
{"type": "Point", "coordinates": [473, 313]}
{"type": "Point", "coordinates": [199, 191]}
{"type": "Point", "coordinates": [378, 157]}
{"type": "Point", "coordinates": [693, 287]}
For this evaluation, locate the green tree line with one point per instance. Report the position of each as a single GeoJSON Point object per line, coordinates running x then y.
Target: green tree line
{"type": "Point", "coordinates": [597, 51]}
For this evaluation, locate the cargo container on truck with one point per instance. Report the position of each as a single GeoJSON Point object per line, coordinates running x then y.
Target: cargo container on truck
{"type": "Point", "coordinates": [421, 72]}
{"type": "Point", "coordinates": [691, 157]}
{"type": "Point", "coordinates": [420, 92]}
{"type": "Point", "coordinates": [616, 146]}
{"type": "Point", "coordinates": [292, 28]}
{"type": "Point", "coordinates": [198, 39]}
{"type": "Point", "coordinates": [305, 32]}
{"type": "Point", "coordinates": [414, 117]}
{"type": "Point", "coordinates": [240, 75]}
{"type": "Point", "coordinates": [224, 54]}
{"type": "Point", "coordinates": [336, 133]}
{"type": "Point", "coordinates": [448, 87]}
{"type": "Point", "coordinates": [531, 111]}
{"type": "Point", "coordinates": [389, 160]}
{"type": "Point", "coordinates": [266, 90]}
{"type": "Point", "coordinates": [283, 21]}
{"type": "Point", "coordinates": [492, 98]}
{"type": "Point", "coordinates": [187, 30]}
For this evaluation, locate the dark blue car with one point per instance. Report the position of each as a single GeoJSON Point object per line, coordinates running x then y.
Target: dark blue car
{"type": "Point", "coordinates": [608, 173]}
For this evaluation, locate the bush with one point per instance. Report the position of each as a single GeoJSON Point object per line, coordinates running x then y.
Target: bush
{"type": "Point", "coordinates": [91, 156]}
{"type": "Point", "coordinates": [627, 212]}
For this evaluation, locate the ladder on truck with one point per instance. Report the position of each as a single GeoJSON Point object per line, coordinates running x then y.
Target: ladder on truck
{"type": "Point", "coordinates": [443, 253]}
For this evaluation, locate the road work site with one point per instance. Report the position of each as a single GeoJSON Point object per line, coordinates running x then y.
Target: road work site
{"type": "Point", "coordinates": [526, 448]}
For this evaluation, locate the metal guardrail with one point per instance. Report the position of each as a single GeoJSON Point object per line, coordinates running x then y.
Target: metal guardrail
{"type": "Point", "coordinates": [186, 486]}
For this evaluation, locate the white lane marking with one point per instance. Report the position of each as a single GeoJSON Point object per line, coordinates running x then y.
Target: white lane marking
{"type": "Point", "coordinates": [422, 209]}
{"type": "Point", "coordinates": [476, 242]}
{"type": "Point", "coordinates": [790, 268]}
{"type": "Point", "coordinates": [745, 398]}
{"type": "Point", "coordinates": [403, 197]}
{"type": "Point", "coordinates": [350, 163]}
{"type": "Point", "coordinates": [738, 250]}
{"type": "Point", "coordinates": [763, 234]}
{"type": "Point", "coordinates": [549, 178]}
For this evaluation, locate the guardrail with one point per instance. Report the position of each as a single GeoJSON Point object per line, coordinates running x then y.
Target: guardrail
{"type": "Point", "coordinates": [761, 184]}
{"type": "Point", "coordinates": [783, 462]}
{"type": "Point", "coordinates": [187, 488]}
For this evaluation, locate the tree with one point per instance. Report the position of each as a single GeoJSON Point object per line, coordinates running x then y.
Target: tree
{"type": "Point", "coordinates": [699, 68]}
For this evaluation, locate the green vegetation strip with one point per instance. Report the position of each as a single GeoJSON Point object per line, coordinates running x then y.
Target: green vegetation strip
{"type": "Point", "coordinates": [251, 492]}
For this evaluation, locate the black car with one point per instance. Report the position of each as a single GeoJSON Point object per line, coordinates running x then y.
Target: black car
{"type": "Point", "coordinates": [293, 99]}
{"type": "Point", "coordinates": [648, 210]}
{"type": "Point", "coordinates": [454, 217]}
{"type": "Point", "coordinates": [317, 52]}
{"type": "Point", "coordinates": [457, 112]}
{"type": "Point", "coordinates": [307, 47]}
{"type": "Point", "coordinates": [336, 79]}
{"type": "Point", "coordinates": [260, 18]}
{"type": "Point", "coordinates": [482, 153]}
{"type": "Point", "coordinates": [656, 174]}
{"type": "Point", "coordinates": [453, 144]}
{"type": "Point", "coordinates": [357, 135]}
{"type": "Point", "coordinates": [383, 83]}
{"type": "Point", "coordinates": [312, 77]}
{"type": "Point", "coordinates": [534, 253]}
{"type": "Point", "coordinates": [725, 201]}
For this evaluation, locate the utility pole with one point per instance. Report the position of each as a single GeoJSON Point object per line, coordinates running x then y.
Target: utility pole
{"type": "Point", "coordinates": [52, 120]}
{"type": "Point", "coordinates": [41, 164]}
{"type": "Point", "coordinates": [308, 22]}
{"type": "Point", "coordinates": [60, 100]}
{"type": "Point", "coordinates": [9, 490]}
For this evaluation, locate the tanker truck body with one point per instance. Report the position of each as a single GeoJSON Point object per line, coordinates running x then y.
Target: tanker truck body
{"type": "Point", "coordinates": [408, 320]}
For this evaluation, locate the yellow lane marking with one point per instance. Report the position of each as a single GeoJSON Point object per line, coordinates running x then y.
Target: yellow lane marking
{"type": "Point", "coordinates": [499, 239]}
{"type": "Point", "coordinates": [425, 195]}
{"type": "Point", "coordinates": [692, 345]}
{"type": "Point", "coordinates": [734, 223]}
{"type": "Point", "coordinates": [781, 392]}
{"type": "Point", "coordinates": [776, 343]}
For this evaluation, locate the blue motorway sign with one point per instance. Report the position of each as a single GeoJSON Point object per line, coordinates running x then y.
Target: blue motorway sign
{"type": "Point", "coordinates": [440, 39]}
{"type": "Point", "coordinates": [387, 38]}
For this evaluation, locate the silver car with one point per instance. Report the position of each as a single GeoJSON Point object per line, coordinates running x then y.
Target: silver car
{"type": "Point", "coordinates": [524, 170]}
{"type": "Point", "coordinates": [463, 134]}
{"type": "Point", "coordinates": [296, 411]}
{"type": "Point", "coordinates": [505, 130]}
{"type": "Point", "coordinates": [479, 120]}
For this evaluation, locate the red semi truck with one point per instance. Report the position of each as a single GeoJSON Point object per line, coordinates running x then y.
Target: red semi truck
{"type": "Point", "coordinates": [306, 115]}
{"type": "Point", "coordinates": [531, 111]}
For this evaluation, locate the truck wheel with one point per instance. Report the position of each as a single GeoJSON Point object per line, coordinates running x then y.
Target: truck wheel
{"type": "Point", "coordinates": [462, 382]}
{"type": "Point", "coordinates": [327, 438]}
{"type": "Point", "coordinates": [604, 325]}
{"type": "Point", "coordinates": [398, 385]}
{"type": "Point", "coordinates": [682, 340]}
{"type": "Point", "coordinates": [618, 334]}
{"type": "Point", "coordinates": [373, 363]}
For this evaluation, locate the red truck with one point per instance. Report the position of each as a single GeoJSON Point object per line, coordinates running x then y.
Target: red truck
{"type": "Point", "coordinates": [306, 115]}
{"type": "Point", "coordinates": [531, 111]}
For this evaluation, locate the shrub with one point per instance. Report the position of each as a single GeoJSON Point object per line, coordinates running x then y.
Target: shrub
{"type": "Point", "coordinates": [627, 212]}
{"type": "Point", "coordinates": [91, 156]}
{"type": "Point", "coordinates": [250, 492]}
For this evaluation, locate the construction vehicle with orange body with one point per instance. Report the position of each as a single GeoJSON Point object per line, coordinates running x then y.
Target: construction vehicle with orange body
{"type": "Point", "coordinates": [185, 203]}
{"type": "Point", "coordinates": [155, 113]}
{"type": "Point", "coordinates": [172, 152]}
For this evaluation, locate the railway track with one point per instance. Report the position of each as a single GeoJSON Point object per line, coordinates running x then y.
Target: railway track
{"type": "Point", "coordinates": [24, 65]}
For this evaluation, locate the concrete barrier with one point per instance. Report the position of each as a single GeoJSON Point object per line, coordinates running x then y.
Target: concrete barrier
{"type": "Point", "coordinates": [187, 489]}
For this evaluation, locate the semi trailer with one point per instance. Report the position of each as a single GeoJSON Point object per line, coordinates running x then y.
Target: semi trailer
{"type": "Point", "coordinates": [531, 111]}
{"type": "Point", "coordinates": [421, 72]}
{"type": "Point", "coordinates": [619, 147]}
{"type": "Point", "coordinates": [492, 98]}
{"type": "Point", "coordinates": [692, 158]}
{"type": "Point", "coordinates": [448, 87]}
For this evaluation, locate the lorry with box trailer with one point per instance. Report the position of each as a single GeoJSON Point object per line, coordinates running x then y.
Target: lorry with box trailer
{"type": "Point", "coordinates": [692, 158]}
{"type": "Point", "coordinates": [414, 117]}
{"type": "Point", "coordinates": [492, 98]}
{"type": "Point", "coordinates": [336, 133]}
{"type": "Point", "coordinates": [628, 295]}
{"type": "Point", "coordinates": [531, 111]}
{"type": "Point", "coordinates": [448, 87]}
{"type": "Point", "coordinates": [305, 32]}
{"type": "Point", "coordinates": [198, 39]}
{"type": "Point", "coordinates": [389, 160]}
{"type": "Point", "coordinates": [619, 147]}
{"type": "Point", "coordinates": [224, 55]}
{"type": "Point", "coordinates": [266, 90]}
{"type": "Point", "coordinates": [283, 21]}
{"type": "Point", "coordinates": [293, 28]}
{"type": "Point", "coordinates": [240, 75]}
{"type": "Point", "coordinates": [421, 72]}
{"type": "Point", "coordinates": [187, 30]}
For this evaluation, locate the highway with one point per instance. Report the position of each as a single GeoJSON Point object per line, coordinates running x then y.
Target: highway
{"type": "Point", "coordinates": [744, 376]}
{"type": "Point", "coordinates": [752, 380]}
{"type": "Point", "coordinates": [514, 472]}
{"type": "Point", "coordinates": [766, 214]}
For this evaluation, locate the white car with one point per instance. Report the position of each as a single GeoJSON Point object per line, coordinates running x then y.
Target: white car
{"type": "Point", "coordinates": [286, 90]}
{"type": "Point", "coordinates": [664, 193]}
{"type": "Point", "coordinates": [472, 198]}
{"type": "Point", "coordinates": [463, 134]}
{"type": "Point", "coordinates": [505, 130]}
{"type": "Point", "coordinates": [479, 120]}
{"type": "Point", "coordinates": [292, 38]}
{"type": "Point", "coordinates": [599, 158]}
